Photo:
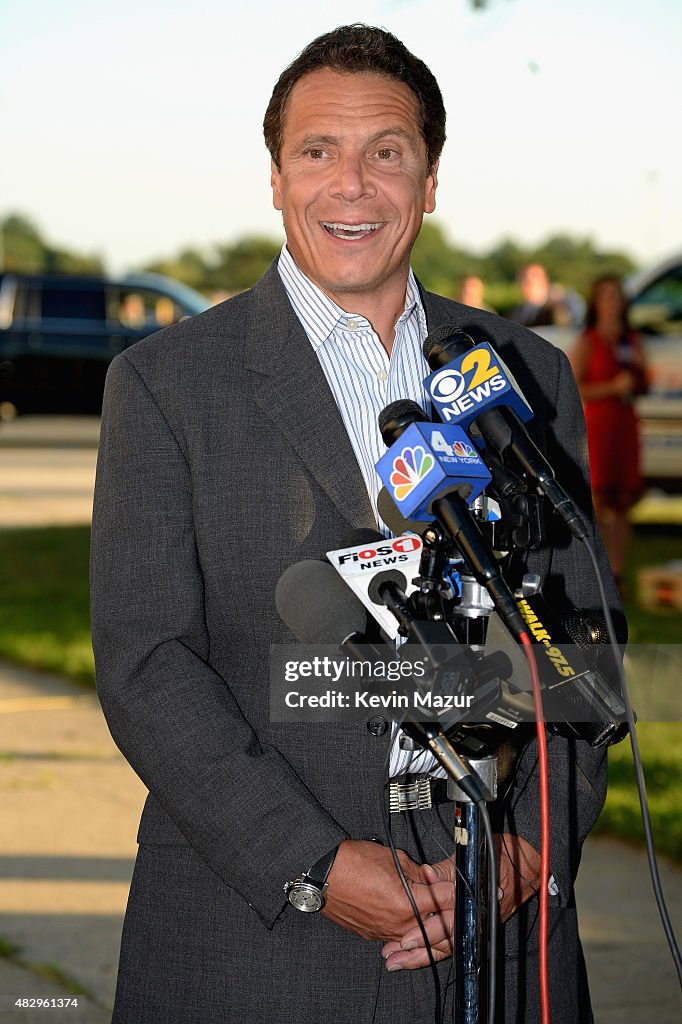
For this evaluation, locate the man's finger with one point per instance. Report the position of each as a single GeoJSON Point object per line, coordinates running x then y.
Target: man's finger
{"type": "Point", "coordinates": [432, 899]}
{"type": "Point", "coordinates": [404, 960]}
{"type": "Point", "coordinates": [442, 894]}
{"type": "Point", "coordinates": [442, 870]}
{"type": "Point", "coordinates": [438, 928]}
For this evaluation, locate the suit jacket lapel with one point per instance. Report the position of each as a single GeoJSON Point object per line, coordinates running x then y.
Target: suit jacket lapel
{"type": "Point", "coordinates": [296, 397]}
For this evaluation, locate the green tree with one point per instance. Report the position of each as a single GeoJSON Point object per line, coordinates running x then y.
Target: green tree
{"type": "Point", "coordinates": [189, 266]}
{"type": "Point", "coordinates": [25, 250]}
{"type": "Point", "coordinates": [438, 264]}
{"type": "Point", "coordinates": [238, 266]}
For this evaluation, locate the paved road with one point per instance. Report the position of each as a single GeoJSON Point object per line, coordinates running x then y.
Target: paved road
{"type": "Point", "coordinates": [47, 470]}
{"type": "Point", "coordinates": [70, 809]}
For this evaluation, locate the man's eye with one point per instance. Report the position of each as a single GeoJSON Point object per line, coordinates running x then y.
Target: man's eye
{"type": "Point", "coordinates": [386, 154]}
{"type": "Point", "coordinates": [316, 154]}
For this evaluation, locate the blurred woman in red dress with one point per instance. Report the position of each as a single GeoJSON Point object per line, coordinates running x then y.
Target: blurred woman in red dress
{"type": "Point", "coordinates": [608, 363]}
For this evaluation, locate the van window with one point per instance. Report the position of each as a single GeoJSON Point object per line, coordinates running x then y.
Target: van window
{"type": "Point", "coordinates": [143, 307]}
{"type": "Point", "coordinates": [658, 309]}
{"type": "Point", "coordinates": [26, 301]}
{"type": "Point", "coordinates": [73, 303]}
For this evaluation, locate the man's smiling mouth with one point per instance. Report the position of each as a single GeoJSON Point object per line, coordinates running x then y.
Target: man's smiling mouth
{"type": "Point", "coordinates": [350, 231]}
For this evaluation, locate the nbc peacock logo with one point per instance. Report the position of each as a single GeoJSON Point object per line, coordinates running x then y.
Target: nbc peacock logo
{"type": "Point", "coordinates": [409, 469]}
{"type": "Point", "coordinates": [463, 450]}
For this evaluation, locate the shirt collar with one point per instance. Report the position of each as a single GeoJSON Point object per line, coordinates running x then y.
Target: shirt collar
{"type": "Point", "coordinates": [320, 315]}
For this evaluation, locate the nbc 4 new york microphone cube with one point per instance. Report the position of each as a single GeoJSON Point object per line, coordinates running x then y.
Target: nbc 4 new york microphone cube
{"type": "Point", "coordinates": [428, 461]}
{"type": "Point", "coordinates": [473, 383]}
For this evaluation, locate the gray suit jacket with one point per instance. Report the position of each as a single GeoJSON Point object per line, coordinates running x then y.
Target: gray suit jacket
{"type": "Point", "coordinates": [223, 460]}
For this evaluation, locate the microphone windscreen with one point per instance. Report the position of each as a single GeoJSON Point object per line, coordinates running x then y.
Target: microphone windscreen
{"type": "Point", "coordinates": [394, 519]}
{"type": "Point", "coordinates": [397, 417]}
{"type": "Point", "coordinates": [316, 605]}
{"type": "Point", "coordinates": [445, 344]}
{"type": "Point", "coordinates": [585, 629]}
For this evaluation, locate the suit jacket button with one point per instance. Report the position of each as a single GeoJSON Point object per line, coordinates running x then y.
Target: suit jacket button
{"type": "Point", "coordinates": [377, 725]}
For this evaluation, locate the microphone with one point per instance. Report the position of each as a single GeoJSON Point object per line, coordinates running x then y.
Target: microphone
{"type": "Point", "coordinates": [360, 564]}
{"type": "Point", "coordinates": [316, 605]}
{"type": "Point", "coordinates": [469, 377]}
{"type": "Point", "coordinates": [395, 520]}
{"type": "Point", "coordinates": [318, 608]}
{"type": "Point", "coordinates": [578, 695]}
{"type": "Point", "coordinates": [448, 505]}
{"type": "Point", "coordinates": [471, 385]}
{"type": "Point", "coordinates": [426, 460]}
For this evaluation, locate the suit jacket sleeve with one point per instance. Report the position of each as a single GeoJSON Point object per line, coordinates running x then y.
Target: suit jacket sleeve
{"type": "Point", "coordinates": [236, 801]}
{"type": "Point", "coordinates": [577, 772]}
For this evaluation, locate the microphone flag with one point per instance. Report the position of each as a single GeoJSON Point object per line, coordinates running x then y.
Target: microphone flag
{"type": "Point", "coordinates": [473, 382]}
{"type": "Point", "coordinates": [359, 565]}
{"type": "Point", "coordinates": [428, 461]}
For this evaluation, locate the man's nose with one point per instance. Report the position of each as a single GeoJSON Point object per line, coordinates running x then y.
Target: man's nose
{"type": "Point", "coordinates": [352, 178]}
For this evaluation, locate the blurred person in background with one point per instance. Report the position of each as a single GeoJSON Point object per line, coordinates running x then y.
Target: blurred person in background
{"type": "Point", "coordinates": [543, 304]}
{"type": "Point", "coordinates": [471, 293]}
{"type": "Point", "coordinates": [609, 367]}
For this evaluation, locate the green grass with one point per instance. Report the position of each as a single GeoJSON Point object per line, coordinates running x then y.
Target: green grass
{"type": "Point", "coordinates": [44, 608]}
{"type": "Point", "coordinates": [44, 623]}
{"type": "Point", "coordinates": [660, 745]}
{"type": "Point", "coordinates": [650, 547]}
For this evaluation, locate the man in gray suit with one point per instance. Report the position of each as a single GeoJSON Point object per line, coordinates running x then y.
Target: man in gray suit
{"type": "Point", "coordinates": [233, 445]}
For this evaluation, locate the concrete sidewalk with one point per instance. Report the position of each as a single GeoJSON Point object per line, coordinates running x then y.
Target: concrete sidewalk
{"type": "Point", "coordinates": [70, 810]}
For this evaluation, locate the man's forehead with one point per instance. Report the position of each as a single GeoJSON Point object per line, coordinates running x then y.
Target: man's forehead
{"type": "Point", "coordinates": [328, 97]}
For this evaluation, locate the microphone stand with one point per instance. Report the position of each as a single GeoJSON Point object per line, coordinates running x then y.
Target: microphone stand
{"type": "Point", "coordinates": [471, 783]}
{"type": "Point", "coordinates": [472, 906]}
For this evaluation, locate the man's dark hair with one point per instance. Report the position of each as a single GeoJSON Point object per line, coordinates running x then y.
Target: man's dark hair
{"type": "Point", "coordinates": [352, 49]}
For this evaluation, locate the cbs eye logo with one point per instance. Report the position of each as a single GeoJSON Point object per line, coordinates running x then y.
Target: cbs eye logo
{"type": "Point", "coordinates": [449, 383]}
{"type": "Point", "coordinates": [447, 386]}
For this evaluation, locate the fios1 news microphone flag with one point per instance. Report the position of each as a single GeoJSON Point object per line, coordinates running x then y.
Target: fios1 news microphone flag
{"type": "Point", "coordinates": [472, 383]}
{"type": "Point", "coordinates": [428, 461]}
{"type": "Point", "coordinates": [359, 565]}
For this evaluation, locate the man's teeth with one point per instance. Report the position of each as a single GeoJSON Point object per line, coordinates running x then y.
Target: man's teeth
{"type": "Point", "coordinates": [349, 230]}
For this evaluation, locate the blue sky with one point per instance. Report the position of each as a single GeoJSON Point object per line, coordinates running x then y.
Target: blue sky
{"type": "Point", "coordinates": [133, 128]}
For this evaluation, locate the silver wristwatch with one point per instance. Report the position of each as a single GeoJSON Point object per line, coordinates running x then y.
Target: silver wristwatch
{"type": "Point", "coordinates": [307, 893]}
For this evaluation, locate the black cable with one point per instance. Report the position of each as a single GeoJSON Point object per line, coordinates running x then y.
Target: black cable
{"type": "Point", "coordinates": [394, 853]}
{"type": "Point", "coordinates": [639, 771]}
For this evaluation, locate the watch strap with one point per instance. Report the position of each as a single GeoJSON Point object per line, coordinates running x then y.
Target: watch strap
{"type": "Point", "coordinates": [318, 874]}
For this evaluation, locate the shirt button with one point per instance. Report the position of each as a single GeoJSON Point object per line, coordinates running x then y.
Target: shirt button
{"type": "Point", "coordinates": [352, 325]}
{"type": "Point", "coordinates": [382, 376]}
{"type": "Point", "coordinates": [377, 725]}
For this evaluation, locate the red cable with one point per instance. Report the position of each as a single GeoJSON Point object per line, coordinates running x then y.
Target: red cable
{"type": "Point", "coordinates": [544, 823]}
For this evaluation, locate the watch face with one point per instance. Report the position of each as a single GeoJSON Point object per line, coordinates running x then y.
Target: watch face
{"type": "Point", "coordinates": [306, 898]}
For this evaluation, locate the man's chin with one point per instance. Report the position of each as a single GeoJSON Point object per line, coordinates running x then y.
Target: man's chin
{"type": "Point", "coordinates": [354, 281]}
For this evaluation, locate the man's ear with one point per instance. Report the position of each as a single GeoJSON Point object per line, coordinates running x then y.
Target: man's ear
{"type": "Point", "coordinates": [275, 181]}
{"type": "Point", "coordinates": [430, 188]}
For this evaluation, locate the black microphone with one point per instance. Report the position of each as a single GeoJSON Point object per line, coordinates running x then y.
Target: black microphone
{"type": "Point", "coordinates": [453, 513]}
{"type": "Point", "coordinates": [316, 605]}
{"type": "Point", "coordinates": [495, 415]}
{"type": "Point", "coordinates": [395, 520]}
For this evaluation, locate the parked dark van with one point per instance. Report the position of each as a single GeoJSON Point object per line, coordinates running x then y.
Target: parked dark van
{"type": "Point", "coordinates": [59, 332]}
